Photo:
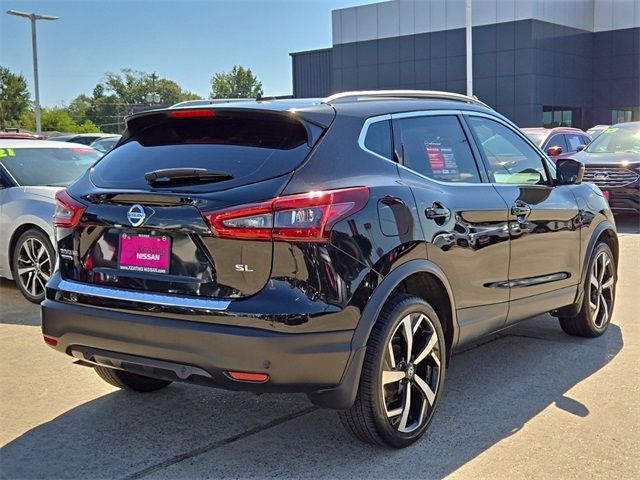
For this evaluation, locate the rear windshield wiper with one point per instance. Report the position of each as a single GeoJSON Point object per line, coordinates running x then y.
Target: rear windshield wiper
{"type": "Point", "coordinates": [185, 175]}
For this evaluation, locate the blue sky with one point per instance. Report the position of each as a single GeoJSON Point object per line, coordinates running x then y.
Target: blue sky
{"type": "Point", "coordinates": [184, 40]}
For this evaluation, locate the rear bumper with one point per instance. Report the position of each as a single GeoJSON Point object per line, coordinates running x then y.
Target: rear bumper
{"type": "Point", "coordinates": [202, 353]}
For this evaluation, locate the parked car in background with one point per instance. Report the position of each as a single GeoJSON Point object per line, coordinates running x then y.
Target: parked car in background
{"type": "Point", "coordinates": [83, 138]}
{"type": "Point", "coordinates": [560, 142]}
{"type": "Point", "coordinates": [19, 136]}
{"type": "Point", "coordinates": [105, 144]}
{"type": "Point", "coordinates": [594, 132]}
{"type": "Point", "coordinates": [612, 162]}
{"type": "Point", "coordinates": [339, 247]}
{"type": "Point", "coordinates": [31, 172]}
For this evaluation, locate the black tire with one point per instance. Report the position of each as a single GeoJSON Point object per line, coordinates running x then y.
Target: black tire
{"type": "Point", "coordinates": [597, 304]}
{"type": "Point", "coordinates": [378, 414]}
{"type": "Point", "coordinates": [130, 381]}
{"type": "Point", "coordinates": [32, 263]}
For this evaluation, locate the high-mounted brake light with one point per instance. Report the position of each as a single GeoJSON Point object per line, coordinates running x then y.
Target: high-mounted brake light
{"type": "Point", "coordinates": [194, 112]}
{"type": "Point", "coordinates": [68, 210]}
{"type": "Point", "coordinates": [306, 217]}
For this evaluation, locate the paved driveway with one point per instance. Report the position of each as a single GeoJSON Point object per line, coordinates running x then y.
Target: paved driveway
{"type": "Point", "coordinates": [530, 402]}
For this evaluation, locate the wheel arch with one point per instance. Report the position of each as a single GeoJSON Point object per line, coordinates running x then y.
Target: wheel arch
{"type": "Point", "coordinates": [419, 277]}
{"type": "Point", "coordinates": [605, 231]}
{"type": "Point", "coordinates": [22, 228]}
{"type": "Point", "coordinates": [410, 277]}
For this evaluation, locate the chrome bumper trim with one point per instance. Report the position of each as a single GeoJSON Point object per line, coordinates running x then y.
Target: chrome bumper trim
{"type": "Point", "coordinates": [142, 297]}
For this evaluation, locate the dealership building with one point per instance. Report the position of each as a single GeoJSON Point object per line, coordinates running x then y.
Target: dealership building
{"type": "Point", "coordinates": [539, 62]}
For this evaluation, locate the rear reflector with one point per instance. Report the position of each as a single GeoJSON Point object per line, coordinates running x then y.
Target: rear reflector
{"type": "Point", "coordinates": [50, 341]}
{"type": "Point", "coordinates": [68, 210]}
{"type": "Point", "coordinates": [248, 376]}
{"type": "Point", "coordinates": [306, 217]}
{"type": "Point", "coordinates": [196, 112]}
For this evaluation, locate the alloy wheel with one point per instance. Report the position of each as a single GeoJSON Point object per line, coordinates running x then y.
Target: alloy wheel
{"type": "Point", "coordinates": [34, 266]}
{"type": "Point", "coordinates": [601, 291]}
{"type": "Point", "coordinates": [411, 373]}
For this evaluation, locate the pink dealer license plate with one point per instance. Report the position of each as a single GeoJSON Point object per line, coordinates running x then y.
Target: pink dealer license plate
{"type": "Point", "coordinates": [144, 253]}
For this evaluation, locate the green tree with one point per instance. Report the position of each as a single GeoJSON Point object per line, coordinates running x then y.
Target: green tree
{"type": "Point", "coordinates": [57, 119]}
{"type": "Point", "coordinates": [108, 112]}
{"type": "Point", "coordinates": [132, 87]}
{"type": "Point", "coordinates": [78, 108]}
{"type": "Point", "coordinates": [121, 93]}
{"type": "Point", "coordinates": [240, 82]}
{"type": "Point", "coordinates": [14, 97]}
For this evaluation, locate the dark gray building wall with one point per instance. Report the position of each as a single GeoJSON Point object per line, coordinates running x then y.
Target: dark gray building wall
{"type": "Point", "coordinates": [563, 68]}
{"type": "Point", "coordinates": [504, 66]}
{"type": "Point", "coordinates": [616, 74]}
{"type": "Point", "coordinates": [518, 68]}
{"type": "Point", "coordinates": [312, 73]}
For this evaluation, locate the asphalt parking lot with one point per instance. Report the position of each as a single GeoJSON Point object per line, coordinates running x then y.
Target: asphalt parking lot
{"type": "Point", "coordinates": [530, 402]}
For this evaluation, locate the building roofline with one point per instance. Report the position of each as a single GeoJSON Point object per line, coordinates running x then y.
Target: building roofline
{"type": "Point", "coordinates": [318, 50]}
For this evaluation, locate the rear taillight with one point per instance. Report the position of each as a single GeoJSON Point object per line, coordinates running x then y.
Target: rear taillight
{"type": "Point", "coordinates": [68, 210]}
{"type": "Point", "coordinates": [306, 217]}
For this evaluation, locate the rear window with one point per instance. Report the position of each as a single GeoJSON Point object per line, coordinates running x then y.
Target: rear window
{"type": "Point", "coordinates": [47, 166]}
{"type": "Point", "coordinates": [249, 146]}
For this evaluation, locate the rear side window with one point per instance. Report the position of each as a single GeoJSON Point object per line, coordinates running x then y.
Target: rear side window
{"type": "Point", "coordinates": [436, 147]}
{"type": "Point", "coordinates": [247, 145]}
{"type": "Point", "coordinates": [575, 141]}
{"type": "Point", "coordinates": [378, 139]}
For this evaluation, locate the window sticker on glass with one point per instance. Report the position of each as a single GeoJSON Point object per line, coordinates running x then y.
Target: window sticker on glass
{"type": "Point", "coordinates": [7, 152]}
{"type": "Point", "coordinates": [441, 159]}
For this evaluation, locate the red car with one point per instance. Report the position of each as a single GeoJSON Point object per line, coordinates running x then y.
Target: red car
{"type": "Point", "coordinates": [560, 142]}
{"type": "Point", "coordinates": [19, 136]}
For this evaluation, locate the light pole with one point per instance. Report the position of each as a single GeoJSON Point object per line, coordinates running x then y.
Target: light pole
{"type": "Point", "coordinates": [469, 37]}
{"type": "Point", "coordinates": [33, 17]}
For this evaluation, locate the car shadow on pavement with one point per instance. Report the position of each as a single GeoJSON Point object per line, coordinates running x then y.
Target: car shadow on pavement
{"type": "Point", "coordinates": [491, 392]}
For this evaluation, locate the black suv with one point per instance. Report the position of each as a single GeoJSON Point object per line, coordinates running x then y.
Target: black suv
{"type": "Point", "coordinates": [612, 162]}
{"type": "Point", "coordinates": [341, 247]}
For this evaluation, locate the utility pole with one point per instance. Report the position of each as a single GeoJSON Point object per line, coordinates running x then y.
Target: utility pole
{"type": "Point", "coordinates": [34, 17]}
{"type": "Point", "coordinates": [469, 34]}
{"type": "Point", "coordinates": [153, 97]}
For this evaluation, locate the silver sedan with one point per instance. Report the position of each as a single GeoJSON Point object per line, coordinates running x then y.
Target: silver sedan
{"type": "Point", "coordinates": [31, 172]}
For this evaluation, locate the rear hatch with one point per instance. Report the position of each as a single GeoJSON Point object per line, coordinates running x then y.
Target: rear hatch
{"type": "Point", "coordinates": [144, 207]}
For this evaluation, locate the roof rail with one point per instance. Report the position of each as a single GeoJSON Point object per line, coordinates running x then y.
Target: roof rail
{"type": "Point", "coordinates": [408, 94]}
{"type": "Point", "coordinates": [214, 101]}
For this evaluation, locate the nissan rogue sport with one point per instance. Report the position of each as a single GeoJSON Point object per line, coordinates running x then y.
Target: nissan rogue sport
{"type": "Point", "coordinates": [341, 247]}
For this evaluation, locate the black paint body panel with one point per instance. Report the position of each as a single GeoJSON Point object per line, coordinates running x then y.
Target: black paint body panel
{"type": "Point", "coordinates": [306, 309]}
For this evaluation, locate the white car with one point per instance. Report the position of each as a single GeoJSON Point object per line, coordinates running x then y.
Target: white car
{"type": "Point", "coordinates": [31, 172]}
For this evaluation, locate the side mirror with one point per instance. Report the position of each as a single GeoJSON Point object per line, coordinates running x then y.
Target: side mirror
{"type": "Point", "coordinates": [569, 171]}
{"type": "Point", "coordinates": [579, 148]}
{"type": "Point", "coordinates": [553, 151]}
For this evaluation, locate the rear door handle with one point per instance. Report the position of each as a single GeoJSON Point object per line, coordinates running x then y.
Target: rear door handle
{"type": "Point", "coordinates": [437, 212]}
{"type": "Point", "coordinates": [520, 209]}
